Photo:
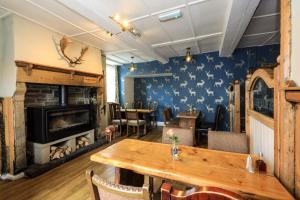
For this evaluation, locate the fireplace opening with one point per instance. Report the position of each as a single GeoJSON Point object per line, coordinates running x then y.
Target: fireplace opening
{"type": "Point", "coordinates": [61, 120]}
{"type": "Point", "coordinates": [50, 123]}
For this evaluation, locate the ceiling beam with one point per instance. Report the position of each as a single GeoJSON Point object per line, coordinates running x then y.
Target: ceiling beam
{"type": "Point", "coordinates": [113, 61]}
{"type": "Point", "coordinates": [63, 19]}
{"type": "Point", "coordinates": [100, 16]}
{"type": "Point", "coordinates": [238, 18]}
{"type": "Point", "coordinates": [191, 24]}
{"type": "Point", "coordinates": [167, 10]}
{"type": "Point", "coordinates": [267, 15]}
{"type": "Point", "coordinates": [117, 57]}
{"type": "Point", "coordinates": [119, 51]}
{"type": "Point", "coordinates": [264, 33]}
{"type": "Point", "coordinates": [191, 39]}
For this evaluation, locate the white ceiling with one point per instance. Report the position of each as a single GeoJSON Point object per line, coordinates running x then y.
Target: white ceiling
{"type": "Point", "coordinates": [202, 26]}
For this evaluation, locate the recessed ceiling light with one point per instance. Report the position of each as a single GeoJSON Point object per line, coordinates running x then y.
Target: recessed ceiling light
{"type": "Point", "coordinates": [174, 14]}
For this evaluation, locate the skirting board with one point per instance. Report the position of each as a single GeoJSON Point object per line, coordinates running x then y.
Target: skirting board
{"type": "Point", "coordinates": [12, 177]}
{"type": "Point", "coordinates": [160, 123]}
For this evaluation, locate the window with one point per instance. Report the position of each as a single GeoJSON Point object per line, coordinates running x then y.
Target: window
{"type": "Point", "coordinates": [111, 72]}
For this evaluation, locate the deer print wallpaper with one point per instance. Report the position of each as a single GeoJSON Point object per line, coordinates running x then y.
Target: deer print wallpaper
{"type": "Point", "coordinates": [202, 83]}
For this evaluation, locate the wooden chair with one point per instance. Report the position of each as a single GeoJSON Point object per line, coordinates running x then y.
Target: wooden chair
{"type": "Point", "coordinates": [133, 120]}
{"type": "Point", "coordinates": [153, 105]}
{"type": "Point", "coordinates": [202, 127]}
{"type": "Point", "coordinates": [115, 116]}
{"type": "Point", "coordinates": [185, 135]}
{"type": "Point", "coordinates": [137, 104]}
{"type": "Point", "coordinates": [228, 141]}
{"type": "Point", "coordinates": [198, 193]}
{"type": "Point", "coordinates": [168, 118]}
{"type": "Point", "coordinates": [105, 190]}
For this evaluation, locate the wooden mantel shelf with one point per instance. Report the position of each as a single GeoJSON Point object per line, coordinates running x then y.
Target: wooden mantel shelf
{"type": "Point", "coordinates": [28, 72]}
{"type": "Point", "coordinates": [29, 66]}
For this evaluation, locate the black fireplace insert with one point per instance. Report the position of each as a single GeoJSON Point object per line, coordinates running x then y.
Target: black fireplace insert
{"type": "Point", "coordinates": [50, 123]}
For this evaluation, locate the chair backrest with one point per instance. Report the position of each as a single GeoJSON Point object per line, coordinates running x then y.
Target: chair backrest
{"type": "Point", "coordinates": [137, 104]}
{"type": "Point", "coordinates": [219, 117]}
{"type": "Point", "coordinates": [185, 135]}
{"type": "Point", "coordinates": [114, 111]}
{"type": "Point", "coordinates": [167, 116]}
{"type": "Point", "coordinates": [102, 189]}
{"type": "Point", "coordinates": [152, 105]}
{"type": "Point", "coordinates": [132, 115]}
{"type": "Point", "coordinates": [199, 193]}
{"type": "Point", "coordinates": [228, 141]}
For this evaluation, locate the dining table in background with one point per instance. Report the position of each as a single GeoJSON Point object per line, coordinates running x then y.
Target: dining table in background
{"type": "Point", "coordinates": [141, 112]}
{"type": "Point", "coordinates": [195, 166]}
{"type": "Point", "coordinates": [188, 119]}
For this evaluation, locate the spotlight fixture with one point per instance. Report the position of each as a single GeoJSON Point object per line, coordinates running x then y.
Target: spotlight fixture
{"type": "Point", "coordinates": [188, 56]}
{"type": "Point", "coordinates": [132, 67]}
{"type": "Point", "coordinates": [125, 25]}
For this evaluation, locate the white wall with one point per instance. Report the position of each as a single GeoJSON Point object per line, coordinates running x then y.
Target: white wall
{"type": "Point", "coordinates": [27, 41]}
{"type": "Point", "coordinates": [7, 65]}
{"type": "Point", "coordinates": [262, 140]}
{"type": "Point", "coordinates": [295, 69]}
{"type": "Point", "coordinates": [129, 91]}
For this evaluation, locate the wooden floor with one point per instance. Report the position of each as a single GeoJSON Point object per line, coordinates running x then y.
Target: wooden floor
{"type": "Point", "coordinates": [64, 182]}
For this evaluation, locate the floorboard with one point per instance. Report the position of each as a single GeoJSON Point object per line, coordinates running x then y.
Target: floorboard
{"type": "Point", "coordinates": [64, 182]}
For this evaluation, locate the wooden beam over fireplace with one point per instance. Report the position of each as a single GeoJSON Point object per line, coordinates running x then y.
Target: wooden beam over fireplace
{"type": "Point", "coordinates": [44, 74]}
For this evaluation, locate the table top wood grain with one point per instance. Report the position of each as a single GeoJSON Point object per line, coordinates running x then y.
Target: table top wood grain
{"type": "Point", "coordinates": [146, 111]}
{"type": "Point", "coordinates": [188, 115]}
{"type": "Point", "coordinates": [196, 166]}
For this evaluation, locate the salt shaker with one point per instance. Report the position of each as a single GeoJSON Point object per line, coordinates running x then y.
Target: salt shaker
{"type": "Point", "coordinates": [249, 164]}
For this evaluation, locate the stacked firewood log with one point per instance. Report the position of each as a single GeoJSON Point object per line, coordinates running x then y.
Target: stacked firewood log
{"type": "Point", "coordinates": [82, 142]}
{"type": "Point", "coordinates": [57, 152]}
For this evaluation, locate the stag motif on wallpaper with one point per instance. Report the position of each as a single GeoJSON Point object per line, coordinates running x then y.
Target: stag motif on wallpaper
{"type": "Point", "coordinates": [63, 43]}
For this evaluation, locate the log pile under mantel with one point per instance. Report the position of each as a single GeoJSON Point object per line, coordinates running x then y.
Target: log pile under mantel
{"type": "Point", "coordinates": [57, 152]}
{"type": "Point", "coordinates": [82, 142]}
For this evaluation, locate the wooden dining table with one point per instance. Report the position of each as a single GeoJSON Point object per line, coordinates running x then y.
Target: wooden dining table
{"type": "Point", "coordinates": [188, 119]}
{"type": "Point", "coordinates": [142, 111]}
{"type": "Point", "coordinates": [196, 166]}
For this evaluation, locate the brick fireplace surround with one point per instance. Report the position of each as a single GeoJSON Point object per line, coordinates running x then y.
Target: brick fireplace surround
{"type": "Point", "coordinates": [37, 85]}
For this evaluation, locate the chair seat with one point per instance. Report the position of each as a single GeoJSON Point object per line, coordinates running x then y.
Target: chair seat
{"type": "Point", "coordinates": [118, 122]}
{"type": "Point", "coordinates": [135, 122]}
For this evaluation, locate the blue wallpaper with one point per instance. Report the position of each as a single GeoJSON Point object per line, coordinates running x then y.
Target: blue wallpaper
{"type": "Point", "coordinates": [202, 83]}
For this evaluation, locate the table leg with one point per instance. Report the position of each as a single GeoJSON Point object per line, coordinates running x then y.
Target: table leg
{"type": "Point", "coordinates": [117, 175]}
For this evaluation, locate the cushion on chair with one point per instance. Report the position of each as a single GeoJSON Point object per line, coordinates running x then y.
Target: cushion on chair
{"type": "Point", "coordinates": [135, 123]}
{"type": "Point", "coordinates": [117, 121]}
{"type": "Point", "coordinates": [185, 135]}
{"type": "Point", "coordinates": [228, 141]}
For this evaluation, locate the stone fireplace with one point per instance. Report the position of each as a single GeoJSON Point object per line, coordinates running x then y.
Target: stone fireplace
{"type": "Point", "coordinates": [36, 118]}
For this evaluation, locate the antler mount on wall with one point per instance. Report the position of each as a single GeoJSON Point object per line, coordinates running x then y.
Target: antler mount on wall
{"type": "Point", "coordinates": [72, 61]}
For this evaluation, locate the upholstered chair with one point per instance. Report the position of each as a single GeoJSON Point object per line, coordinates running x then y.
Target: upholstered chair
{"type": "Point", "coordinates": [102, 189]}
{"type": "Point", "coordinates": [133, 120]}
{"type": "Point", "coordinates": [197, 193]}
{"type": "Point", "coordinates": [228, 141]}
{"type": "Point", "coordinates": [185, 135]}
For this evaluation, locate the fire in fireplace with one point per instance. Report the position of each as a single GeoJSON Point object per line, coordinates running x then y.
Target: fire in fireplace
{"type": "Point", "coordinates": [49, 123]}
{"type": "Point", "coordinates": [46, 124]}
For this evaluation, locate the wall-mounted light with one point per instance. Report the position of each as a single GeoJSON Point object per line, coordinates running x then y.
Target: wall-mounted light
{"type": "Point", "coordinates": [188, 56]}
{"type": "Point", "coordinates": [125, 25]}
{"type": "Point", "coordinates": [132, 67]}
